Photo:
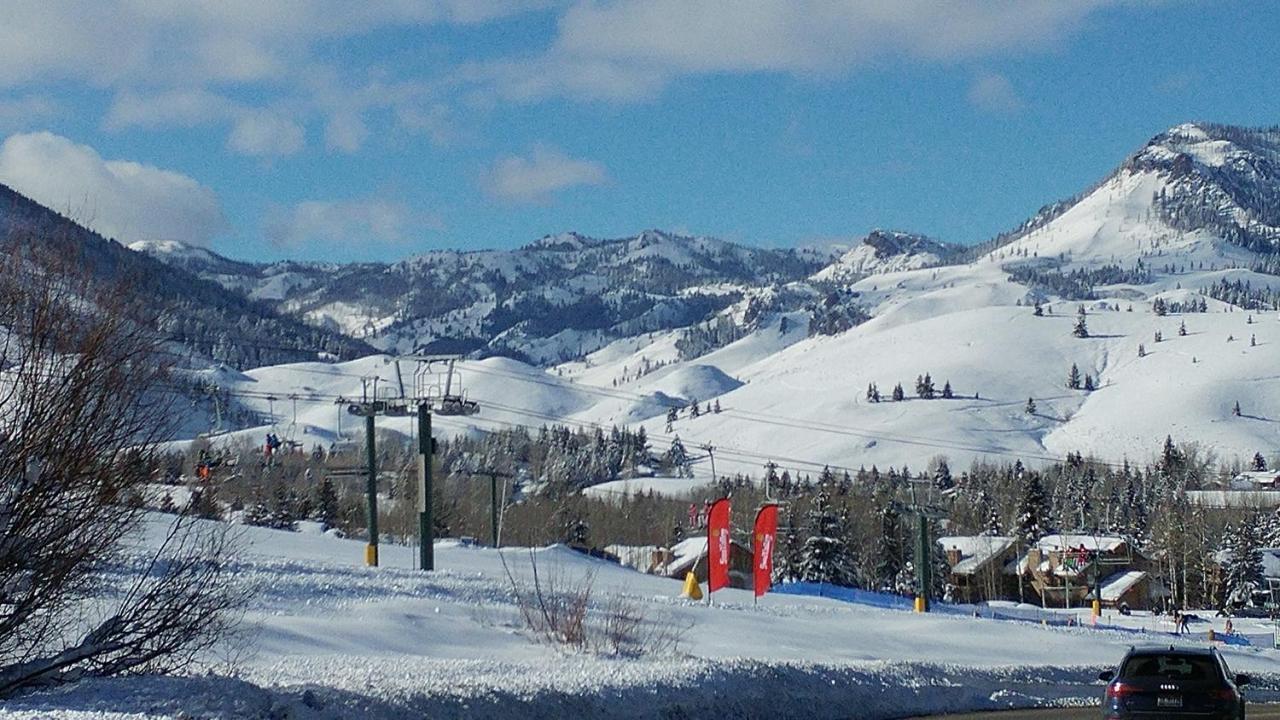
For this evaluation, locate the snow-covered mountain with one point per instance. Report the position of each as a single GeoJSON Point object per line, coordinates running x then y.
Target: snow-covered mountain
{"type": "Point", "coordinates": [1179, 235]}
{"type": "Point", "coordinates": [884, 251]}
{"type": "Point", "coordinates": [201, 319]}
{"type": "Point", "coordinates": [548, 301]}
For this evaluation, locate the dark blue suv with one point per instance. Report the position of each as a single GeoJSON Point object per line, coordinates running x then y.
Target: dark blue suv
{"type": "Point", "coordinates": [1173, 682]}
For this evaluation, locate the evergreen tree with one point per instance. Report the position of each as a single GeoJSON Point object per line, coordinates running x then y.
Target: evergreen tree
{"type": "Point", "coordinates": [1160, 308]}
{"type": "Point", "coordinates": [1142, 350]}
{"type": "Point", "coordinates": [281, 514]}
{"type": "Point", "coordinates": [204, 503]}
{"type": "Point", "coordinates": [677, 459]}
{"type": "Point", "coordinates": [1236, 410]}
{"type": "Point", "coordinates": [791, 549]}
{"type": "Point", "coordinates": [1259, 462]}
{"type": "Point", "coordinates": [326, 504]}
{"type": "Point", "coordinates": [1039, 311]}
{"type": "Point", "coordinates": [942, 476]}
{"type": "Point", "coordinates": [256, 512]}
{"type": "Point", "coordinates": [716, 407]}
{"type": "Point", "coordinates": [990, 513]}
{"type": "Point", "coordinates": [1158, 336]}
{"type": "Point", "coordinates": [1033, 510]}
{"type": "Point", "coordinates": [825, 556]}
{"type": "Point", "coordinates": [898, 394]}
{"type": "Point", "coordinates": [1172, 460]}
{"type": "Point", "coordinates": [888, 547]}
{"type": "Point", "coordinates": [946, 391]}
{"type": "Point", "coordinates": [1073, 378]}
{"type": "Point", "coordinates": [1081, 329]}
{"type": "Point", "coordinates": [1031, 406]}
{"type": "Point", "coordinates": [1182, 328]}
{"type": "Point", "coordinates": [1242, 568]}
{"type": "Point", "coordinates": [1088, 383]}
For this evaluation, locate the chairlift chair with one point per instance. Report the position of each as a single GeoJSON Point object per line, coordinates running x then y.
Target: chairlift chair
{"type": "Point", "coordinates": [448, 400]}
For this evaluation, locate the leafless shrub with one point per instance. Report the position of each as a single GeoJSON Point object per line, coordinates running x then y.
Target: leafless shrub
{"type": "Point", "coordinates": [83, 406]}
{"type": "Point", "coordinates": [564, 611]}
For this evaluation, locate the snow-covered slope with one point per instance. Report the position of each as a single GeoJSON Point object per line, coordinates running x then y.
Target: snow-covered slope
{"type": "Point", "coordinates": [330, 638]}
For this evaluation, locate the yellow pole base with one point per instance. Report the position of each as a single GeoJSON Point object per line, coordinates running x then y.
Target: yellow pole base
{"type": "Point", "coordinates": [691, 588]}
{"type": "Point", "coordinates": [1211, 636]}
{"type": "Point", "coordinates": [371, 555]}
{"type": "Point", "coordinates": [1097, 608]}
{"type": "Point", "coordinates": [920, 604]}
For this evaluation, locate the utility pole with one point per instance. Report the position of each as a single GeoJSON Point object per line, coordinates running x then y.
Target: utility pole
{"type": "Point", "coordinates": [426, 449]}
{"type": "Point", "coordinates": [493, 507]}
{"type": "Point", "coordinates": [493, 500]}
{"type": "Point", "coordinates": [371, 550]}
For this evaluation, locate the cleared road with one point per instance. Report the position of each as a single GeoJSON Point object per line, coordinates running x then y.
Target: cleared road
{"type": "Point", "coordinates": [1255, 712]}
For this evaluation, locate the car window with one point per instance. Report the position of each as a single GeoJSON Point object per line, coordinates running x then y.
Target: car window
{"type": "Point", "coordinates": [1171, 667]}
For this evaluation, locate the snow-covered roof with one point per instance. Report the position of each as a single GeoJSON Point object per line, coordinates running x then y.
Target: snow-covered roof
{"type": "Point", "coordinates": [1265, 477]}
{"type": "Point", "coordinates": [1114, 587]}
{"type": "Point", "coordinates": [686, 553]}
{"type": "Point", "coordinates": [1094, 543]}
{"type": "Point", "coordinates": [975, 550]}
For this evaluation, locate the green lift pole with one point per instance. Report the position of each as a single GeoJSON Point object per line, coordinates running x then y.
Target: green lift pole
{"type": "Point", "coordinates": [924, 568]}
{"type": "Point", "coordinates": [371, 550]}
{"type": "Point", "coordinates": [426, 448]}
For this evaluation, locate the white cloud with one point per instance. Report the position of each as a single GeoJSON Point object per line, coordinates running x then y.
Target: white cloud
{"type": "Point", "coordinates": [126, 43]}
{"type": "Point", "coordinates": [170, 108]}
{"type": "Point", "coordinates": [623, 50]}
{"type": "Point", "coordinates": [546, 171]}
{"type": "Point", "coordinates": [125, 200]}
{"type": "Point", "coordinates": [264, 133]}
{"type": "Point", "coordinates": [361, 220]}
{"type": "Point", "coordinates": [993, 92]}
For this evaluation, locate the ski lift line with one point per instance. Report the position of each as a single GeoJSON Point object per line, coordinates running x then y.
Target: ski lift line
{"type": "Point", "coordinates": [810, 425]}
{"type": "Point", "coordinates": [904, 440]}
{"type": "Point", "coordinates": [733, 453]}
{"type": "Point", "coordinates": [739, 453]}
{"type": "Point", "coordinates": [817, 426]}
{"type": "Point", "coordinates": [795, 464]}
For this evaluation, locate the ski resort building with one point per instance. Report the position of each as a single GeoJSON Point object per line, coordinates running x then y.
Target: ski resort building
{"type": "Point", "coordinates": [677, 560]}
{"type": "Point", "coordinates": [979, 567]}
{"type": "Point", "coordinates": [1063, 570]}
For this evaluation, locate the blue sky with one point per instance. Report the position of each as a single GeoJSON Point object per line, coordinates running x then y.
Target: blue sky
{"type": "Point", "coordinates": [321, 129]}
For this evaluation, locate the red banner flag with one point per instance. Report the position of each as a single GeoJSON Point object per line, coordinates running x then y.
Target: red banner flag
{"type": "Point", "coordinates": [718, 545]}
{"type": "Point", "coordinates": [765, 536]}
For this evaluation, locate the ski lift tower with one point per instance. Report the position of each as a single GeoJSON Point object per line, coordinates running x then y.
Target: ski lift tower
{"type": "Point", "coordinates": [433, 394]}
{"type": "Point", "coordinates": [924, 510]}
